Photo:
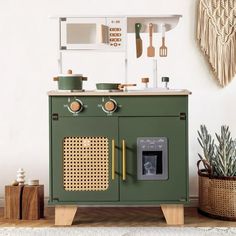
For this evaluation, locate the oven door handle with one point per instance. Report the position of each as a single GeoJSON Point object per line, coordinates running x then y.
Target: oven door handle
{"type": "Point", "coordinates": [123, 160]}
{"type": "Point", "coordinates": [113, 167]}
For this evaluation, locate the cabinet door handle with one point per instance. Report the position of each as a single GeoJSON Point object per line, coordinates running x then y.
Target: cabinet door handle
{"type": "Point", "coordinates": [123, 160]}
{"type": "Point", "coordinates": [113, 160]}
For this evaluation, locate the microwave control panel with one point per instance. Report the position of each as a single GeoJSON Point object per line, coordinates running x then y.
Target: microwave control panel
{"type": "Point", "coordinates": [117, 32]}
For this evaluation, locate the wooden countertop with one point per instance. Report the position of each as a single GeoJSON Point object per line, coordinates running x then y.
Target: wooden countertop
{"type": "Point", "coordinates": [157, 92]}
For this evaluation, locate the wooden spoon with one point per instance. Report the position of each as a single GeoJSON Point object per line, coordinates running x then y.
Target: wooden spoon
{"type": "Point", "coordinates": [150, 49]}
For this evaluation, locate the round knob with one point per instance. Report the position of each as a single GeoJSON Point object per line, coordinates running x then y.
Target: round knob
{"type": "Point", "coordinates": [165, 79]}
{"type": "Point", "coordinates": [75, 106]}
{"type": "Point", "coordinates": [69, 72]}
{"type": "Point", "coordinates": [145, 80]}
{"type": "Point", "coordinates": [110, 106]}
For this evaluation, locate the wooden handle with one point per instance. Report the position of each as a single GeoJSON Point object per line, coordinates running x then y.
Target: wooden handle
{"type": "Point", "coordinates": [113, 160]}
{"type": "Point", "coordinates": [55, 78]}
{"type": "Point", "coordinates": [104, 32]}
{"type": "Point", "coordinates": [150, 33]}
{"type": "Point", "coordinates": [84, 78]}
{"type": "Point", "coordinates": [163, 41]}
{"type": "Point", "coordinates": [69, 72]}
{"type": "Point", "coordinates": [163, 29]}
{"type": "Point", "coordinates": [123, 160]}
{"type": "Point", "coordinates": [121, 86]}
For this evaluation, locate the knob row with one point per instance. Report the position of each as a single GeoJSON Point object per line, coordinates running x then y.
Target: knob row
{"type": "Point", "coordinates": [109, 107]}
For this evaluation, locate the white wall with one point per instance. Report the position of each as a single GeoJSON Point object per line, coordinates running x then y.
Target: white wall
{"type": "Point", "coordinates": [28, 53]}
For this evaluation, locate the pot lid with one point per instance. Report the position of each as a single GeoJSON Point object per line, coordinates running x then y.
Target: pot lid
{"type": "Point", "coordinates": [70, 74]}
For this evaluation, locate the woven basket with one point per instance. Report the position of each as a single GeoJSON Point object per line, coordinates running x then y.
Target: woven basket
{"type": "Point", "coordinates": [217, 195]}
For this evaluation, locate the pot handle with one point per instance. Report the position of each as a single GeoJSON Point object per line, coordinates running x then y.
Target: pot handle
{"type": "Point", "coordinates": [55, 78]}
{"type": "Point", "coordinates": [206, 165]}
{"type": "Point", "coordinates": [84, 78]}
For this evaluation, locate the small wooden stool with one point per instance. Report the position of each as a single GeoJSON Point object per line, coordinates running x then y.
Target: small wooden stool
{"type": "Point", "coordinates": [13, 205]}
{"type": "Point", "coordinates": [33, 202]}
{"type": "Point", "coordinates": [24, 202]}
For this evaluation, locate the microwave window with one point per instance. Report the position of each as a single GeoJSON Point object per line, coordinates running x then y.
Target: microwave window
{"type": "Point", "coordinates": [81, 33]}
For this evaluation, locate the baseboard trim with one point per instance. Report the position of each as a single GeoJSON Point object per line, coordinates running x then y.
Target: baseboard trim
{"type": "Point", "coordinates": [193, 202]}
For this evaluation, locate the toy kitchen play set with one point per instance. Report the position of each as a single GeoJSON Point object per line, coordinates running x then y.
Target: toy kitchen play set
{"type": "Point", "coordinates": [115, 145]}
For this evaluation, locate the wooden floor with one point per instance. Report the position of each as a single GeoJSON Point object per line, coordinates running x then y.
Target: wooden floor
{"type": "Point", "coordinates": [120, 217]}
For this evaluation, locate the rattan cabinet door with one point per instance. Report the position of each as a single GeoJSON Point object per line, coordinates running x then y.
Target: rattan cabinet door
{"type": "Point", "coordinates": [84, 150]}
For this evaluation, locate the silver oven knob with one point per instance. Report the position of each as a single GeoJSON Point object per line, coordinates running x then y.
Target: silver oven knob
{"type": "Point", "coordinates": [110, 106]}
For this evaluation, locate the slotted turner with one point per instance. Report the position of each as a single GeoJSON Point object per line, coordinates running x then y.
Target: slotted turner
{"type": "Point", "coordinates": [163, 48]}
{"type": "Point", "coordinates": [150, 49]}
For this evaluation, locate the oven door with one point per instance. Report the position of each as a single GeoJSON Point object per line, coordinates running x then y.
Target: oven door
{"type": "Point", "coordinates": [156, 163]}
{"type": "Point", "coordinates": [83, 159]}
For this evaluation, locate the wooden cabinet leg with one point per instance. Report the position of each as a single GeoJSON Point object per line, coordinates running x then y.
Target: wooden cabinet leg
{"type": "Point", "coordinates": [173, 213]}
{"type": "Point", "coordinates": [64, 215]}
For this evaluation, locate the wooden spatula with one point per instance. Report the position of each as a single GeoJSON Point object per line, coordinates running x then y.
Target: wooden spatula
{"type": "Point", "coordinates": [163, 48]}
{"type": "Point", "coordinates": [150, 49]}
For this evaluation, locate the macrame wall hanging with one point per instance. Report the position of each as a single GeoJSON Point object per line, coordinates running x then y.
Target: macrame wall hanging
{"type": "Point", "coordinates": [216, 34]}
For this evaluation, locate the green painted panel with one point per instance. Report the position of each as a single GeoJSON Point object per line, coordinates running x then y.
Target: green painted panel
{"type": "Point", "coordinates": [173, 189]}
{"type": "Point", "coordinates": [81, 127]}
{"type": "Point", "coordinates": [127, 106]}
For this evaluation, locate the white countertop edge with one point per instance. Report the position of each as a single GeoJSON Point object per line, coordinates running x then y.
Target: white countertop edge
{"type": "Point", "coordinates": [183, 92]}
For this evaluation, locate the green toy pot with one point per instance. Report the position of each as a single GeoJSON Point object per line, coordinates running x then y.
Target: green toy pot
{"type": "Point", "coordinates": [70, 81]}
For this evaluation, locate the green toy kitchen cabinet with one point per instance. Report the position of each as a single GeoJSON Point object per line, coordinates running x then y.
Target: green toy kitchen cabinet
{"type": "Point", "coordinates": [118, 149]}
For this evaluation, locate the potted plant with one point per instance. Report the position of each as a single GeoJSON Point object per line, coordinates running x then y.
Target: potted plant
{"type": "Point", "coordinates": [217, 180]}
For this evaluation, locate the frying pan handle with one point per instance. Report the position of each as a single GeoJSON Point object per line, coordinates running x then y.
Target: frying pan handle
{"type": "Point", "coordinates": [121, 86]}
